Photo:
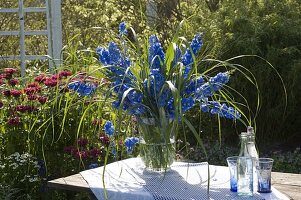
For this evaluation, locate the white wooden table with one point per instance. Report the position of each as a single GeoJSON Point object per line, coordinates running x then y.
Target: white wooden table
{"type": "Point", "coordinates": [288, 184]}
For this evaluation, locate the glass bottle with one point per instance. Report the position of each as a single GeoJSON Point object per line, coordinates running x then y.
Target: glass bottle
{"type": "Point", "coordinates": [253, 152]}
{"type": "Point", "coordinates": [244, 168]}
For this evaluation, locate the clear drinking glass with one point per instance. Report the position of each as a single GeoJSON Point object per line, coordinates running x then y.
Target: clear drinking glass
{"type": "Point", "coordinates": [232, 164]}
{"type": "Point", "coordinates": [264, 169]}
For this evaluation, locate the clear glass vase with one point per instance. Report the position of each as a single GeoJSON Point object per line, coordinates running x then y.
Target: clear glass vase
{"type": "Point", "coordinates": [157, 144]}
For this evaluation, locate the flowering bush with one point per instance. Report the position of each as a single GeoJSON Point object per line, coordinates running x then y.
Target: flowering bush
{"type": "Point", "coordinates": [44, 114]}
{"type": "Point", "coordinates": [150, 83]}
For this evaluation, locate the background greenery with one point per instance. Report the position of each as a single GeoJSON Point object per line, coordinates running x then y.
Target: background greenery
{"type": "Point", "coordinates": [269, 29]}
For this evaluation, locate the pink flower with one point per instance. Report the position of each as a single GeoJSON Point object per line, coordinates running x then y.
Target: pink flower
{"type": "Point", "coordinates": [1, 81]}
{"type": "Point", "coordinates": [42, 99]}
{"type": "Point", "coordinates": [15, 93]}
{"type": "Point", "coordinates": [40, 78]}
{"type": "Point", "coordinates": [14, 82]}
{"type": "Point", "coordinates": [14, 121]}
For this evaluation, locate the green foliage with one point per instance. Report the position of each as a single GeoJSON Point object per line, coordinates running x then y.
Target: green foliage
{"type": "Point", "coordinates": [270, 29]}
{"type": "Point", "coordinates": [289, 162]}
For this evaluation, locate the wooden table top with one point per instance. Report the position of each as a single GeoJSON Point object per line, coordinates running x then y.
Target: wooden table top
{"type": "Point", "coordinates": [287, 183]}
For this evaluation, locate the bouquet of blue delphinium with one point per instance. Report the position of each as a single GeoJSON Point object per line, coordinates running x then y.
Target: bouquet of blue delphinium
{"type": "Point", "coordinates": [159, 86]}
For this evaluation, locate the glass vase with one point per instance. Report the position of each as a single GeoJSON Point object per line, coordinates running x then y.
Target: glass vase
{"type": "Point", "coordinates": [157, 144]}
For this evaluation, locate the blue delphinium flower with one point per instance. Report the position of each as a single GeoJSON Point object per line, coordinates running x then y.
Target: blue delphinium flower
{"type": "Point", "coordinates": [157, 81]}
{"type": "Point", "coordinates": [215, 83]}
{"type": "Point", "coordinates": [187, 103]}
{"type": "Point", "coordinates": [113, 58]}
{"type": "Point", "coordinates": [187, 59]}
{"type": "Point", "coordinates": [193, 85]}
{"type": "Point", "coordinates": [219, 80]}
{"type": "Point", "coordinates": [84, 89]}
{"type": "Point", "coordinates": [137, 110]}
{"type": "Point", "coordinates": [205, 107]}
{"type": "Point", "coordinates": [221, 109]}
{"type": "Point", "coordinates": [156, 54]}
{"type": "Point", "coordinates": [122, 29]}
{"type": "Point", "coordinates": [74, 85]}
{"type": "Point", "coordinates": [104, 55]}
{"type": "Point", "coordinates": [135, 97]}
{"type": "Point", "coordinates": [93, 165]}
{"type": "Point", "coordinates": [130, 143]}
{"type": "Point", "coordinates": [170, 108]}
{"type": "Point", "coordinates": [109, 128]}
{"type": "Point", "coordinates": [177, 56]}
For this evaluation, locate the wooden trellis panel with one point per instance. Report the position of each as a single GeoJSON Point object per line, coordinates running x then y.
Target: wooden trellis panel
{"type": "Point", "coordinates": [54, 33]}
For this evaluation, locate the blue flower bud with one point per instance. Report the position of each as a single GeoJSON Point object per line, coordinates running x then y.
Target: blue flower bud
{"type": "Point", "coordinates": [122, 29]}
{"type": "Point", "coordinates": [109, 128]}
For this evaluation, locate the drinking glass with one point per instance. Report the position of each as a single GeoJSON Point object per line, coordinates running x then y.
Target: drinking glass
{"type": "Point", "coordinates": [232, 164]}
{"type": "Point", "coordinates": [264, 169]}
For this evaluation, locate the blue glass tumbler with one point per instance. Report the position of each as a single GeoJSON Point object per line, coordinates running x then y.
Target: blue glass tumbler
{"type": "Point", "coordinates": [264, 169]}
{"type": "Point", "coordinates": [232, 164]}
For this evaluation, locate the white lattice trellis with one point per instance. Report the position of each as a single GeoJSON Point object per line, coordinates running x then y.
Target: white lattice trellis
{"type": "Point", "coordinates": [54, 33]}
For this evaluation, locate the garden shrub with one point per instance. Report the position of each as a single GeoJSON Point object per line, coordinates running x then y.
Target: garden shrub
{"type": "Point", "coordinates": [45, 114]}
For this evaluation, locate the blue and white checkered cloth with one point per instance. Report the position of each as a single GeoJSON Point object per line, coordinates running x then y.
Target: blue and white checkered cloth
{"type": "Point", "coordinates": [128, 180]}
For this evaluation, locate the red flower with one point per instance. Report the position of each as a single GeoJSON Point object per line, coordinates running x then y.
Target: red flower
{"type": "Point", "coordinates": [6, 93]}
{"type": "Point", "coordinates": [32, 97]}
{"type": "Point", "coordinates": [42, 99]}
{"type": "Point", "coordinates": [15, 93]}
{"type": "Point", "coordinates": [32, 85]}
{"type": "Point", "coordinates": [24, 108]}
{"type": "Point", "coordinates": [31, 90]}
{"type": "Point", "coordinates": [82, 142]}
{"type": "Point", "coordinates": [30, 108]}
{"type": "Point", "coordinates": [104, 139]}
{"type": "Point", "coordinates": [14, 121]}
{"type": "Point", "coordinates": [1, 104]}
{"type": "Point", "coordinates": [95, 152]}
{"type": "Point", "coordinates": [50, 82]}
{"type": "Point", "coordinates": [55, 77]}
{"type": "Point", "coordinates": [69, 149]}
{"type": "Point", "coordinates": [21, 108]}
{"type": "Point", "coordinates": [64, 73]}
{"type": "Point", "coordinates": [2, 76]}
{"type": "Point", "coordinates": [1, 81]}
{"type": "Point", "coordinates": [80, 154]}
{"type": "Point", "coordinates": [14, 82]}
{"type": "Point", "coordinates": [40, 78]}
{"type": "Point", "coordinates": [10, 70]}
